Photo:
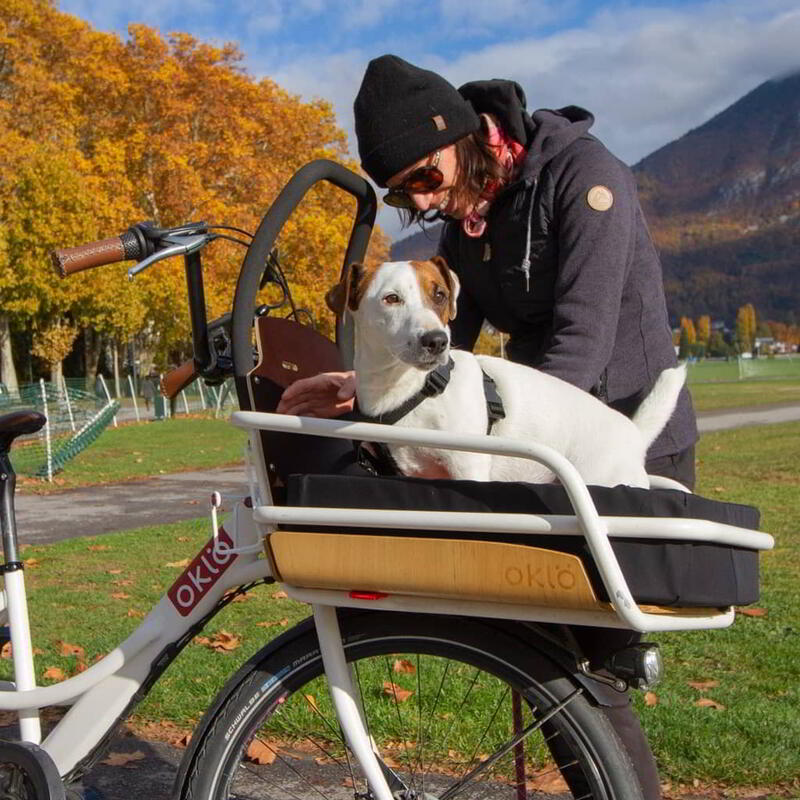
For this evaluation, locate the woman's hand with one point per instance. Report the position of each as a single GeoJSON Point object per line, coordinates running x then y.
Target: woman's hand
{"type": "Point", "coordinates": [329, 394]}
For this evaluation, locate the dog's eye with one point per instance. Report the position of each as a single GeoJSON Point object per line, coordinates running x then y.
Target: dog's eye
{"type": "Point", "coordinates": [439, 297]}
{"type": "Point", "coordinates": [392, 299]}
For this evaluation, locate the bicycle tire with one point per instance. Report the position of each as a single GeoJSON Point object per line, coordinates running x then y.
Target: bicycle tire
{"type": "Point", "coordinates": [274, 699]}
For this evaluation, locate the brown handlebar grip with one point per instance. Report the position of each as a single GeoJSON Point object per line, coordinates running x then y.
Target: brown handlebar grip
{"type": "Point", "coordinates": [177, 379]}
{"type": "Point", "coordinates": [86, 256]}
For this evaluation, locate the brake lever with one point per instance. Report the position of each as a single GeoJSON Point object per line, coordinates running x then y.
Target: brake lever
{"type": "Point", "coordinates": [180, 246]}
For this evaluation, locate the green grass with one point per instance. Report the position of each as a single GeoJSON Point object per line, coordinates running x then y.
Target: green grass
{"type": "Point", "coordinates": [752, 741]}
{"type": "Point", "coordinates": [720, 396]}
{"type": "Point", "coordinates": [145, 449]}
{"type": "Point", "coordinates": [766, 368]}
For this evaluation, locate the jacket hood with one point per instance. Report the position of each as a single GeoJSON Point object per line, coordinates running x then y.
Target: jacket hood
{"type": "Point", "coordinates": [545, 133]}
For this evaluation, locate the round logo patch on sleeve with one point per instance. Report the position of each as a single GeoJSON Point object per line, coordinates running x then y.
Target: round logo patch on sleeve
{"type": "Point", "coordinates": [600, 198]}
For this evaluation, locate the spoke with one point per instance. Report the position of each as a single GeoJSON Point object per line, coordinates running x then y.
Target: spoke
{"type": "Point", "coordinates": [443, 746]}
{"type": "Point", "coordinates": [519, 748]}
{"type": "Point", "coordinates": [252, 771]}
{"type": "Point", "coordinates": [420, 741]}
{"type": "Point", "coordinates": [400, 723]}
{"type": "Point", "coordinates": [484, 765]}
{"type": "Point", "coordinates": [488, 727]}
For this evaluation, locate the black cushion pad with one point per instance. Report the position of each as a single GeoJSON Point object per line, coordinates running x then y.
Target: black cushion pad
{"type": "Point", "coordinates": [658, 571]}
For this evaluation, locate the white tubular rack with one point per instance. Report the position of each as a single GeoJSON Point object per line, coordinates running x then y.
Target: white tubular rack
{"type": "Point", "coordinates": [586, 522]}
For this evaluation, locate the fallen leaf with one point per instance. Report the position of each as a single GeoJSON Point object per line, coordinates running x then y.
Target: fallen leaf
{"type": "Point", "coordinates": [701, 686]}
{"type": "Point", "coordinates": [707, 702]}
{"type": "Point", "coordinates": [282, 622]}
{"type": "Point", "coordinates": [548, 782]}
{"type": "Point", "coordinates": [192, 502]}
{"type": "Point", "coordinates": [650, 699]}
{"type": "Point", "coordinates": [138, 460]}
{"type": "Point", "coordinates": [260, 753]}
{"type": "Point", "coordinates": [132, 612]}
{"type": "Point", "coordinates": [54, 673]}
{"type": "Point", "coordinates": [120, 596]}
{"type": "Point", "coordinates": [5, 652]}
{"type": "Point", "coordinates": [392, 689]}
{"type": "Point", "coordinates": [182, 539]}
{"type": "Point", "coordinates": [97, 547]}
{"type": "Point", "coordinates": [348, 782]}
{"type": "Point", "coordinates": [67, 649]}
{"type": "Point", "coordinates": [752, 612]}
{"type": "Point", "coordinates": [403, 665]}
{"type": "Point", "coordinates": [311, 701]}
{"type": "Point", "coordinates": [31, 562]}
{"type": "Point", "coordinates": [279, 595]}
{"type": "Point", "coordinates": [222, 641]}
{"type": "Point", "coordinates": [182, 563]}
{"type": "Point", "coordinates": [123, 759]}
{"type": "Point", "coordinates": [115, 572]}
{"type": "Point", "coordinates": [81, 667]}
{"type": "Point", "coordinates": [183, 741]}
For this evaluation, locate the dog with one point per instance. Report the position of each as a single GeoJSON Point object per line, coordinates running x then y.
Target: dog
{"type": "Point", "coordinates": [401, 312]}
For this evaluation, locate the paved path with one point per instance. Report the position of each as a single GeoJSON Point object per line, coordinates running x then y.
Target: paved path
{"type": "Point", "coordinates": [114, 507]}
{"type": "Point", "coordinates": [743, 417]}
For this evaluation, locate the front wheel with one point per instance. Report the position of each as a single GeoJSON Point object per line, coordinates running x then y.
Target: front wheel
{"type": "Point", "coordinates": [456, 708]}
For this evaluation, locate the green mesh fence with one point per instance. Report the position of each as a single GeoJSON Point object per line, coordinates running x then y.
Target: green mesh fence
{"type": "Point", "coordinates": [75, 418]}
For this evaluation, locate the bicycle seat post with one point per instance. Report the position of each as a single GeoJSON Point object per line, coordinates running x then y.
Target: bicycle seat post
{"type": "Point", "coordinates": [11, 426]}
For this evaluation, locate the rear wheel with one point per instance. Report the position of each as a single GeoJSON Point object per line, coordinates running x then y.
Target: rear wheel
{"type": "Point", "coordinates": [457, 708]}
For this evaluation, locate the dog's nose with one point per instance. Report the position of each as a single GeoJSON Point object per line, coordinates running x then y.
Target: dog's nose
{"type": "Point", "coordinates": [434, 342]}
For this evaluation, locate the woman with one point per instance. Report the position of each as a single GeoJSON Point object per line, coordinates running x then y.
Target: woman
{"type": "Point", "coordinates": [544, 229]}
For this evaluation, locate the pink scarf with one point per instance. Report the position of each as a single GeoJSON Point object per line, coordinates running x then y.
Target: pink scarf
{"type": "Point", "coordinates": [510, 154]}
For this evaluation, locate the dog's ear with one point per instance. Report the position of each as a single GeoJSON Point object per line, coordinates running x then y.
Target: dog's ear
{"type": "Point", "coordinates": [345, 293]}
{"type": "Point", "coordinates": [451, 281]}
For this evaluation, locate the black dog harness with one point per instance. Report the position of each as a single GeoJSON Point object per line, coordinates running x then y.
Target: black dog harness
{"type": "Point", "coordinates": [436, 381]}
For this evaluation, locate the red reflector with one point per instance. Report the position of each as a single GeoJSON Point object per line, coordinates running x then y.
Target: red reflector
{"type": "Point", "coordinates": [367, 595]}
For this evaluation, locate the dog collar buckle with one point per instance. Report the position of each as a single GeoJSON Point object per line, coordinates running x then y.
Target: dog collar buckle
{"type": "Point", "coordinates": [436, 381]}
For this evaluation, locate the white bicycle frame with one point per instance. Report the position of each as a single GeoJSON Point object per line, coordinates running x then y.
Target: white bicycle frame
{"type": "Point", "coordinates": [100, 695]}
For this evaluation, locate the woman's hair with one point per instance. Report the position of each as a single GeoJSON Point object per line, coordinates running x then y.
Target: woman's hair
{"type": "Point", "coordinates": [476, 163]}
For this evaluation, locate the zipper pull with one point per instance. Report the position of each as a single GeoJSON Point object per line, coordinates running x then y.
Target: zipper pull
{"type": "Point", "coordinates": [526, 268]}
{"type": "Point", "coordinates": [487, 252]}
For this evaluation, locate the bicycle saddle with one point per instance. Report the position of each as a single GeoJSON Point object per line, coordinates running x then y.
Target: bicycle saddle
{"type": "Point", "coordinates": [18, 423]}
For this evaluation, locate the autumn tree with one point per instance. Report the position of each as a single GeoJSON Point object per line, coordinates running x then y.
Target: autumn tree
{"type": "Point", "coordinates": [97, 132]}
{"type": "Point", "coordinates": [703, 329]}
{"type": "Point", "coordinates": [745, 328]}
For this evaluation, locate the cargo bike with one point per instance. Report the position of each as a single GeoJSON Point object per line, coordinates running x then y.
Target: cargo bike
{"type": "Point", "coordinates": [439, 659]}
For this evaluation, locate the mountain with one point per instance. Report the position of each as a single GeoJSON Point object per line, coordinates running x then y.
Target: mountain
{"type": "Point", "coordinates": [723, 206]}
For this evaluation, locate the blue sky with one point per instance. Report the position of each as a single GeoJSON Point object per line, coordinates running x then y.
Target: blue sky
{"type": "Point", "coordinates": [649, 71]}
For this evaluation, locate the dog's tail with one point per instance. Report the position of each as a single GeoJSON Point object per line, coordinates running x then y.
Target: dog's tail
{"type": "Point", "coordinates": [656, 409]}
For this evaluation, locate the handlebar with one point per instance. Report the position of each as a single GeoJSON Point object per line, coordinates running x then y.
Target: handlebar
{"type": "Point", "coordinates": [70, 260]}
{"type": "Point", "coordinates": [177, 379]}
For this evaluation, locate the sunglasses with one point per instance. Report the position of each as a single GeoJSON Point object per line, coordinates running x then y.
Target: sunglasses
{"type": "Point", "coordinates": [420, 181]}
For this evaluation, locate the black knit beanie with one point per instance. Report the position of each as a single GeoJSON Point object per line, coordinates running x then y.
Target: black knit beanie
{"type": "Point", "coordinates": [403, 113]}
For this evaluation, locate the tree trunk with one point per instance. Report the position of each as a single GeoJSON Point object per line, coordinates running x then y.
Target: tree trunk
{"type": "Point", "coordinates": [8, 373]}
{"type": "Point", "coordinates": [115, 358]}
{"type": "Point", "coordinates": [57, 374]}
{"type": "Point", "coordinates": [92, 345]}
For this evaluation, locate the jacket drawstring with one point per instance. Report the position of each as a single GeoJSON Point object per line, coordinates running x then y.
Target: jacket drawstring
{"type": "Point", "coordinates": [526, 261]}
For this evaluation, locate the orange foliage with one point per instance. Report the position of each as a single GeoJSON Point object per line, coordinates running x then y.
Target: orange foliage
{"type": "Point", "coordinates": [97, 133]}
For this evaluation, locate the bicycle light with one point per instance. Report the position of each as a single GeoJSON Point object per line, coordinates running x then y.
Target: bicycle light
{"type": "Point", "coordinates": [641, 665]}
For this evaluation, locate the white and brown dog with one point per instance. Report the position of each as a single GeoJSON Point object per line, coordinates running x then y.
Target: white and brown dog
{"type": "Point", "coordinates": [401, 312]}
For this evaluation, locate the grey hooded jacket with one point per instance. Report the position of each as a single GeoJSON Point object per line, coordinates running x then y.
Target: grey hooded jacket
{"type": "Point", "coordinates": [576, 285]}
